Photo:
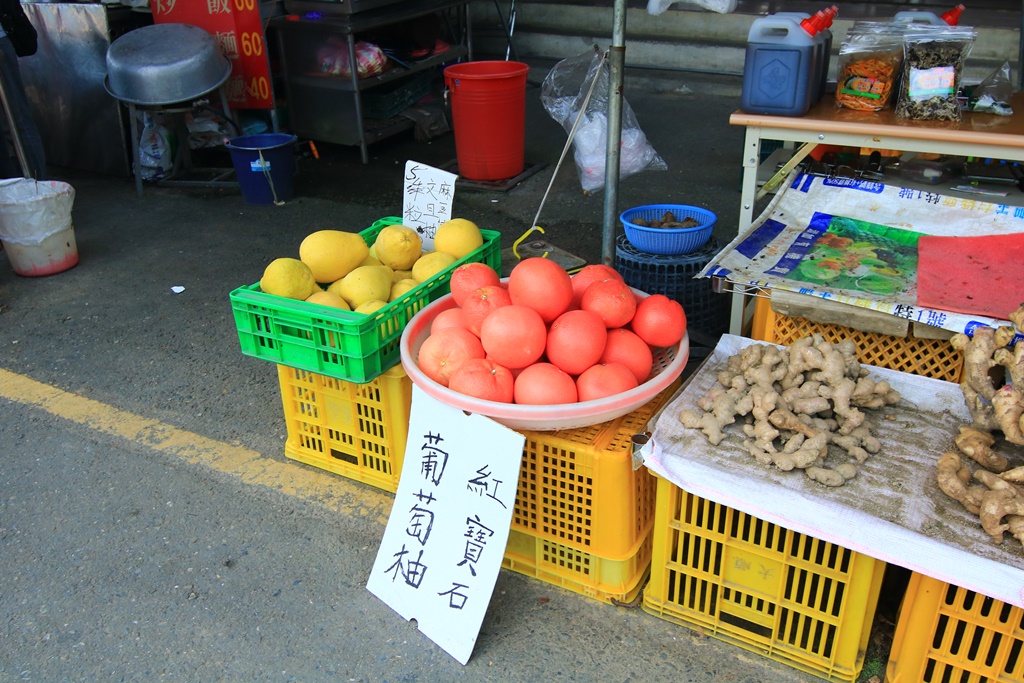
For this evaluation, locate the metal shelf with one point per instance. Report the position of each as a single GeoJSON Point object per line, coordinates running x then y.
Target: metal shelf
{"type": "Point", "coordinates": [330, 108]}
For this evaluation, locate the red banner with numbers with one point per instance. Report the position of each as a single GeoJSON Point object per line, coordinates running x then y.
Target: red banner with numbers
{"type": "Point", "coordinates": [237, 26]}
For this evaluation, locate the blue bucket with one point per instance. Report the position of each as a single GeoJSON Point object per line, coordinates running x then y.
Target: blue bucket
{"type": "Point", "coordinates": [265, 166]}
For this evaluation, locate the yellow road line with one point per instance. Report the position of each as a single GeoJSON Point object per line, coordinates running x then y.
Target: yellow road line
{"type": "Point", "coordinates": [336, 494]}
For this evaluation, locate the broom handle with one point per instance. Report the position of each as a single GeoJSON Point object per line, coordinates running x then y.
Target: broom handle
{"type": "Point", "coordinates": [572, 133]}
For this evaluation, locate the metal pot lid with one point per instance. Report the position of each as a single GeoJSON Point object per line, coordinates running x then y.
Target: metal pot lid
{"type": "Point", "coordinates": [164, 64]}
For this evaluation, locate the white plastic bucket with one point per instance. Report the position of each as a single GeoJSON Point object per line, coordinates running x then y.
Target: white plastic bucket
{"type": "Point", "coordinates": [35, 226]}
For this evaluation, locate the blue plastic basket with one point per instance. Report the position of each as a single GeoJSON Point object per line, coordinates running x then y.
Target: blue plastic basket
{"type": "Point", "coordinates": [668, 241]}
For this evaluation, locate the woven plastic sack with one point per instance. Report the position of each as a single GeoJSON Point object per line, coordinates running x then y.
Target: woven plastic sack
{"type": "Point", "coordinates": [563, 92]}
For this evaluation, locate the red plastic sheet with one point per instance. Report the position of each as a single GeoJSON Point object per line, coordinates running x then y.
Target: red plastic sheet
{"type": "Point", "coordinates": [981, 275]}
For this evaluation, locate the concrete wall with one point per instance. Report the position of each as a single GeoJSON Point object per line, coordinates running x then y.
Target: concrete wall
{"type": "Point", "coordinates": [683, 38]}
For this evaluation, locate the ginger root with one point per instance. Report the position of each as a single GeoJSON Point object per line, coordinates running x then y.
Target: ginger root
{"type": "Point", "coordinates": [832, 477]}
{"type": "Point", "coordinates": [977, 445]}
{"type": "Point", "coordinates": [1008, 406]}
{"type": "Point", "coordinates": [998, 498]}
{"type": "Point", "coordinates": [993, 382]}
{"type": "Point", "coordinates": [993, 389]}
{"type": "Point", "coordinates": [953, 485]}
{"type": "Point", "coordinates": [795, 401]}
{"type": "Point", "coordinates": [996, 504]}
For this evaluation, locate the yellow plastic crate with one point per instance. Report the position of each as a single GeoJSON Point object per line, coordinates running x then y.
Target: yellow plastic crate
{"type": "Point", "coordinates": [611, 581]}
{"type": "Point", "coordinates": [790, 597]}
{"type": "Point", "coordinates": [935, 358]}
{"type": "Point", "coordinates": [356, 430]}
{"type": "Point", "coordinates": [947, 633]}
{"type": "Point", "coordinates": [578, 488]}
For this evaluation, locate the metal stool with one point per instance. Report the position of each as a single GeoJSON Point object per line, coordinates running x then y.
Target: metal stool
{"type": "Point", "coordinates": [169, 68]}
{"type": "Point", "coordinates": [183, 156]}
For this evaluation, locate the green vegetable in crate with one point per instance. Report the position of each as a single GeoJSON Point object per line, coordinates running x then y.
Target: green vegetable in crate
{"type": "Point", "coordinates": [289, 278]}
{"type": "Point", "coordinates": [332, 254]}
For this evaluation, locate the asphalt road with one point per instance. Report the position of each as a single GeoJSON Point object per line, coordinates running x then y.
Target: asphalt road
{"type": "Point", "coordinates": [151, 528]}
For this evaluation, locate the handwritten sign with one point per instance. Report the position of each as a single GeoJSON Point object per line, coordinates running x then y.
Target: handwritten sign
{"type": "Point", "coordinates": [446, 536]}
{"type": "Point", "coordinates": [427, 199]}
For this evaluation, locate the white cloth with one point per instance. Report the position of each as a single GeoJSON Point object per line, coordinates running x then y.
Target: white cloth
{"type": "Point", "coordinates": [892, 510]}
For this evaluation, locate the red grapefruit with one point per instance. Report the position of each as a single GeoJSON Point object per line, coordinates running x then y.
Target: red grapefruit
{"type": "Point", "coordinates": [541, 284]}
{"type": "Point", "coordinates": [659, 321]}
{"type": "Point", "coordinates": [624, 346]}
{"type": "Point", "coordinates": [613, 300]}
{"type": "Point", "coordinates": [441, 353]}
{"type": "Point", "coordinates": [576, 340]}
{"type": "Point", "coordinates": [603, 380]}
{"type": "Point", "coordinates": [544, 384]}
{"type": "Point", "coordinates": [514, 336]}
{"type": "Point", "coordinates": [484, 379]}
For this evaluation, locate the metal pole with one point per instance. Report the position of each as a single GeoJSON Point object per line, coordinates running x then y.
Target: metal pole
{"type": "Point", "coordinates": [19, 150]}
{"type": "Point", "coordinates": [617, 57]}
{"type": "Point", "coordinates": [1020, 50]}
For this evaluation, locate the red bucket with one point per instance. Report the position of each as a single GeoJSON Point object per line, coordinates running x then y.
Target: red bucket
{"type": "Point", "coordinates": [489, 115]}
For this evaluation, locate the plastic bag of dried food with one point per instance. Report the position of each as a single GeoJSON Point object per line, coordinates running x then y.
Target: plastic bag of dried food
{"type": "Point", "coordinates": [933, 60]}
{"type": "Point", "coordinates": [868, 68]}
{"type": "Point", "coordinates": [563, 93]}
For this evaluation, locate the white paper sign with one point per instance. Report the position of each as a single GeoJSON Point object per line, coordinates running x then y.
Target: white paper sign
{"type": "Point", "coordinates": [427, 197]}
{"type": "Point", "coordinates": [446, 536]}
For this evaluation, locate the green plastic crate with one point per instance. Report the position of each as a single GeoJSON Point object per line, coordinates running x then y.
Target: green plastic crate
{"type": "Point", "coordinates": [345, 345]}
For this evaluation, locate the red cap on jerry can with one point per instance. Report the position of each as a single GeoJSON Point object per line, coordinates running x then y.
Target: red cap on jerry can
{"type": "Point", "coordinates": [952, 17]}
{"type": "Point", "coordinates": [810, 26]}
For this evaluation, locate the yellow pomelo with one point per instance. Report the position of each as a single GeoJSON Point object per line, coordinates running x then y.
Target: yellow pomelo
{"type": "Point", "coordinates": [363, 284]}
{"type": "Point", "coordinates": [371, 260]}
{"type": "Point", "coordinates": [288, 277]}
{"type": "Point", "coordinates": [431, 264]}
{"type": "Point", "coordinates": [401, 287]}
{"type": "Point", "coordinates": [332, 254]}
{"type": "Point", "coordinates": [398, 246]}
{"type": "Point", "coordinates": [325, 298]}
{"type": "Point", "coordinates": [402, 275]}
{"type": "Point", "coordinates": [371, 306]}
{"type": "Point", "coordinates": [458, 236]}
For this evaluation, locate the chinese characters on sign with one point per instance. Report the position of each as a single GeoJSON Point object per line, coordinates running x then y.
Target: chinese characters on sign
{"type": "Point", "coordinates": [445, 539]}
{"type": "Point", "coordinates": [427, 199]}
{"type": "Point", "coordinates": [237, 27]}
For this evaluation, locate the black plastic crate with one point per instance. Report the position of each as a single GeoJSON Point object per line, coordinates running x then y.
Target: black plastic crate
{"type": "Point", "coordinates": [673, 276]}
{"type": "Point", "coordinates": [391, 99]}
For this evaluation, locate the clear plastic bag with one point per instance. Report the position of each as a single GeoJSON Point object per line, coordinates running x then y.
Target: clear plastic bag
{"type": "Point", "coordinates": [869, 64]}
{"type": "Point", "coordinates": [156, 149]}
{"type": "Point", "coordinates": [332, 58]}
{"type": "Point", "coordinates": [563, 93]}
{"type": "Point", "coordinates": [992, 95]}
{"type": "Point", "coordinates": [933, 60]}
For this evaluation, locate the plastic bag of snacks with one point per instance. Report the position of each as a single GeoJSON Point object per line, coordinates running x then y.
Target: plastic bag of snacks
{"type": "Point", "coordinates": [869, 64]}
{"type": "Point", "coordinates": [933, 60]}
{"type": "Point", "coordinates": [332, 58]}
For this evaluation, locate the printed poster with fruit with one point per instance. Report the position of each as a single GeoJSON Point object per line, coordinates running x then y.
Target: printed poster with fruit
{"type": "Point", "coordinates": [853, 256]}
